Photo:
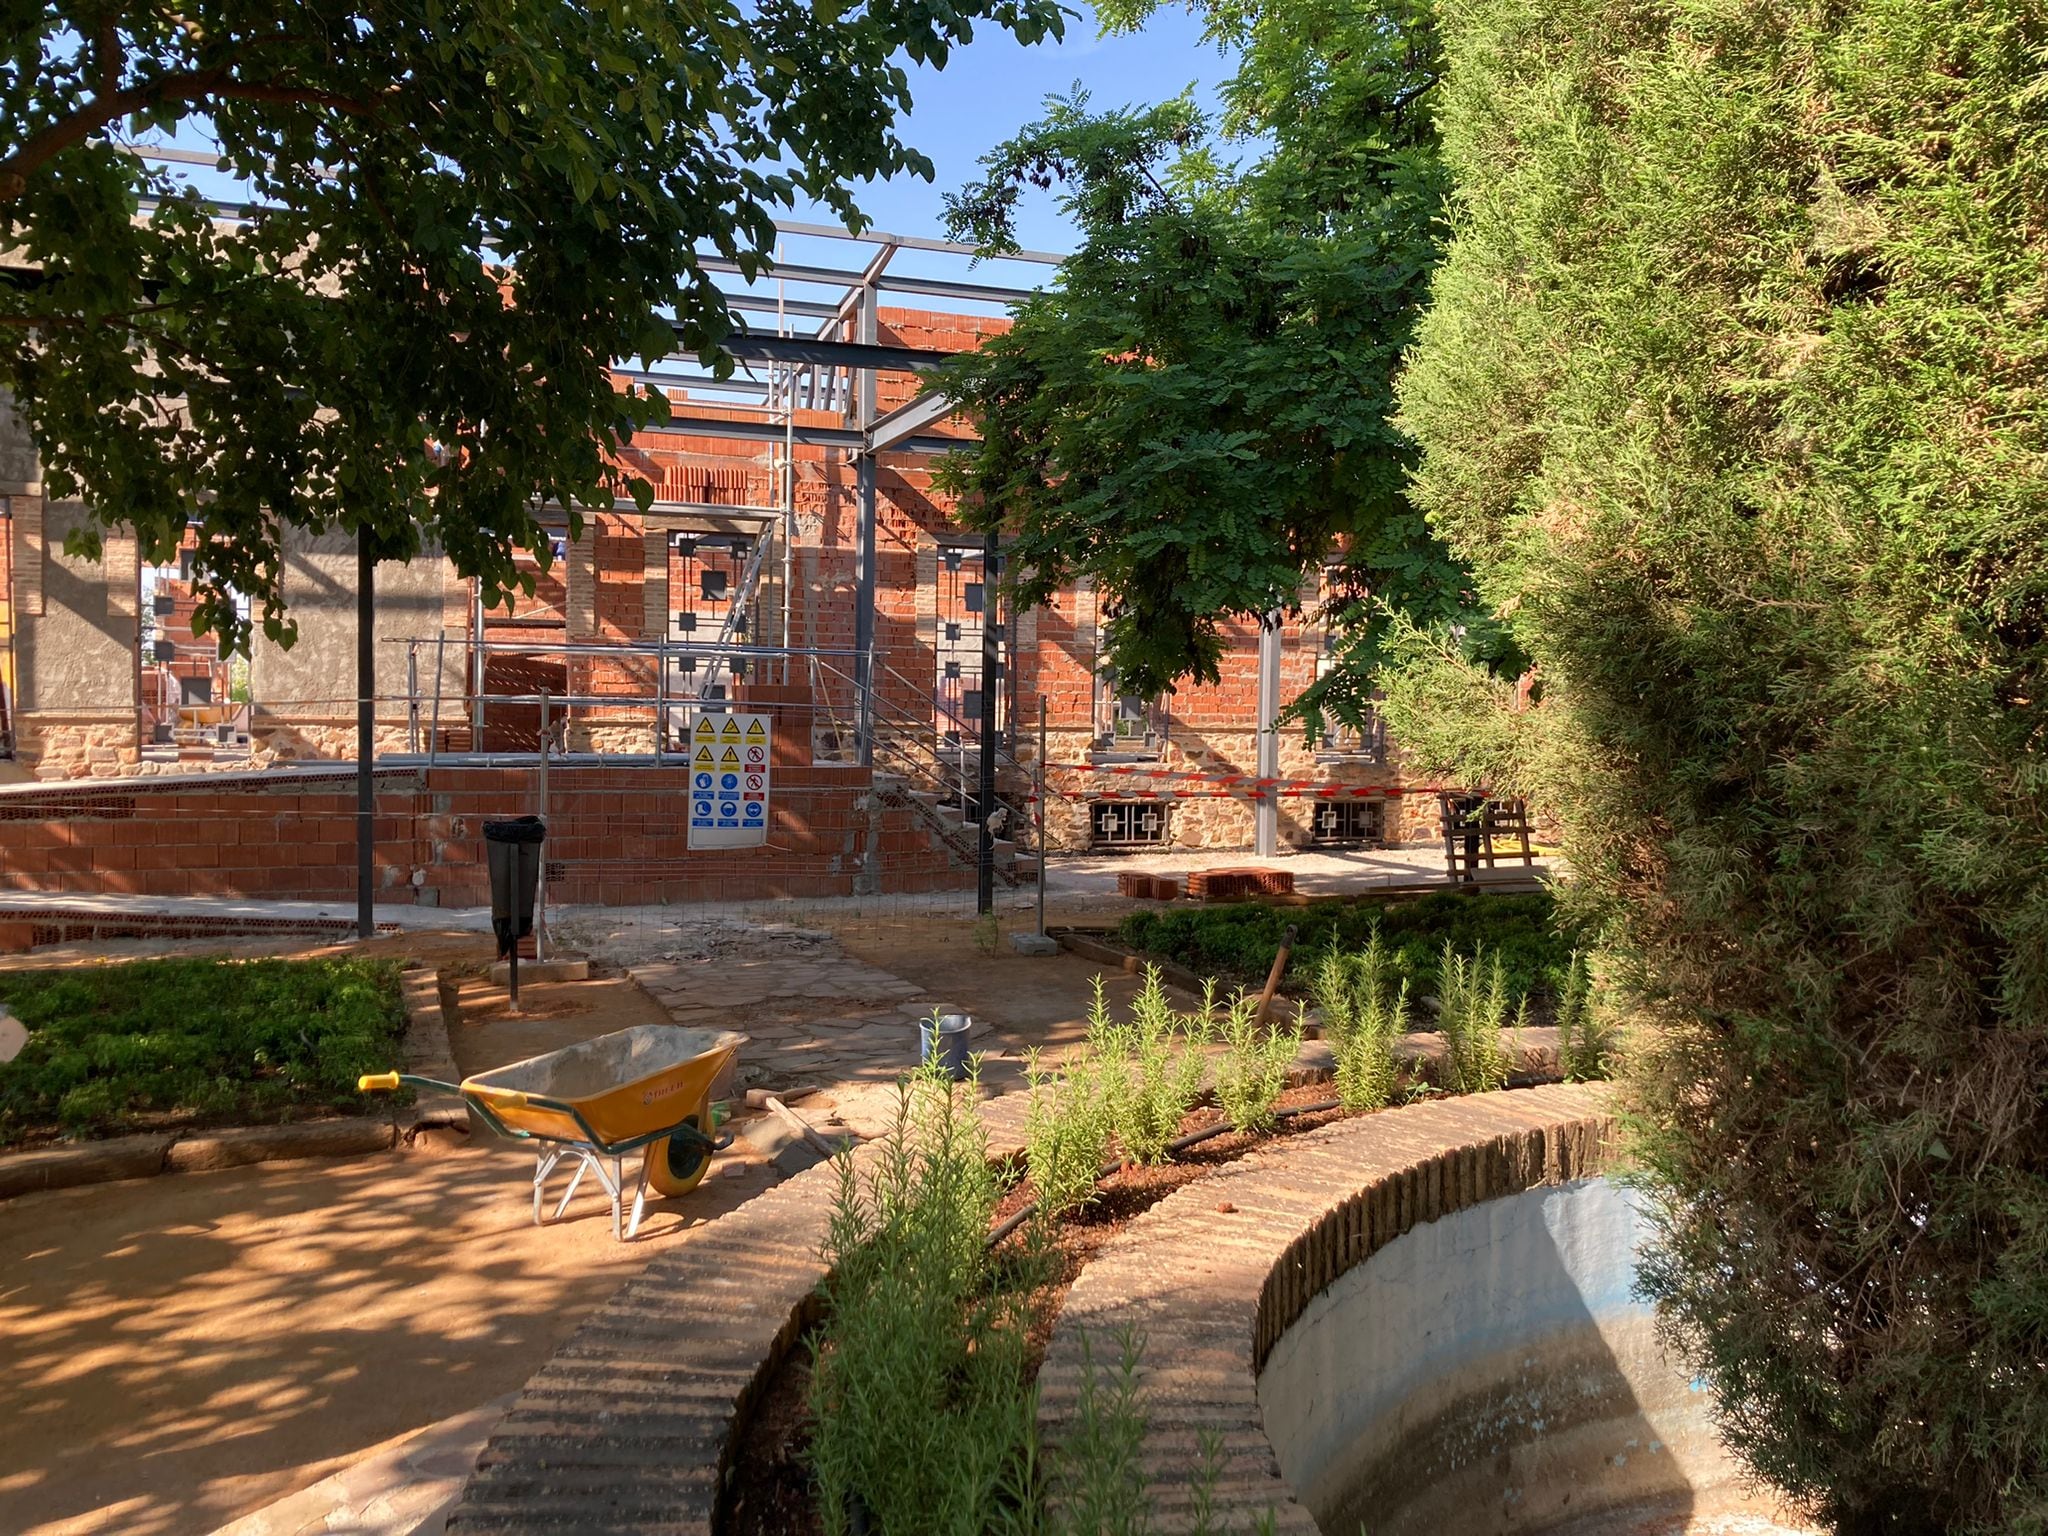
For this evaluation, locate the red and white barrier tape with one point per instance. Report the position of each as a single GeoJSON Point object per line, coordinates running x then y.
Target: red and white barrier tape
{"type": "Point", "coordinates": [1256, 791]}
{"type": "Point", "coordinates": [1241, 786]}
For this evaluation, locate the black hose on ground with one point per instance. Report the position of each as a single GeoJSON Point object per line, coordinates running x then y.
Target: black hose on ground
{"type": "Point", "coordinates": [1017, 1218]}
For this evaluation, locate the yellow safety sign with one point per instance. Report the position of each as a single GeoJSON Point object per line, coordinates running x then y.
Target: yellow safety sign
{"type": "Point", "coordinates": [756, 733]}
{"type": "Point", "coordinates": [706, 731]}
{"type": "Point", "coordinates": [731, 731]}
{"type": "Point", "coordinates": [731, 756]}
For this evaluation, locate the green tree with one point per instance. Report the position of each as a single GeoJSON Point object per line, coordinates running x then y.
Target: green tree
{"type": "Point", "coordinates": [1196, 417]}
{"type": "Point", "coordinates": [1734, 395]}
{"type": "Point", "coordinates": [467, 211]}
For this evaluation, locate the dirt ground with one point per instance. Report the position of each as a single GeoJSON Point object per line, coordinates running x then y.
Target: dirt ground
{"type": "Point", "coordinates": [178, 1351]}
{"type": "Point", "coordinates": [1038, 1000]}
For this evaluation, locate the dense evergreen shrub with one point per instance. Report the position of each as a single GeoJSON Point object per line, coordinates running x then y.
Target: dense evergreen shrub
{"type": "Point", "coordinates": [1735, 398]}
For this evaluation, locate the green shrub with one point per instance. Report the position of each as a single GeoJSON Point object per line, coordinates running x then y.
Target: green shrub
{"type": "Point", "coordinates": [1473, 1008]}
{"type": "Point", "coordinates": [1152, 1067]}
{"type": "Point", "coordinates": [1587, 1040]}
{"type": "Point", "coordinates": [1732, 397]}
{"type": "Point", "coordinates": [1098, 1484]}
{"type": "Point", "coordinates": [1066, 1131]}
{"type": "Point", "coordinates": [1364, 1012]}
{"type": "Point", "coordinates": [1238, 942]}
{"type": "Point", "coordinates": [205, 1038]}
{"type": "Point", "coordinates": [921, 1412]}
{"type": "Point", "coordinates": [1251, 1073]}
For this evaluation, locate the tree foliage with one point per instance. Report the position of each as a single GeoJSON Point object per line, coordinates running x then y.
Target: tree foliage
{"type": "Point", "coordinates": [469, 208]}
{"type": "Point", "coordinates": [1197, 416]}
{"type": "Point", "coordinates": [1734, 394]}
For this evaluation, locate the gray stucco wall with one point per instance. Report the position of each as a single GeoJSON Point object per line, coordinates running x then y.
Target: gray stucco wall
{"type": "Point", "coordinates": [316, 676]}
{"type": "Point", "coordinates": [79, 655]}
{"type": "Point", "coordinates": [20, 473]}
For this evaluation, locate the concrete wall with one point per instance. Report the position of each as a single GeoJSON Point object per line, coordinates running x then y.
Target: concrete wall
{"type": "Point", "coordinates": [1493, 1370]}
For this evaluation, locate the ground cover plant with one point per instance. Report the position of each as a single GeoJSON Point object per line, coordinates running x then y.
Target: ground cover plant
{"type": "Point", "coordinates": [204, 1040]}
{"type": "Point", "coordinates": [1733, 395]}
{"type": "Point", "coordinates": [1238, 942]}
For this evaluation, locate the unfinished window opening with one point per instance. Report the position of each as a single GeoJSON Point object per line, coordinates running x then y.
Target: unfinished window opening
{"type": "Point", "coordinates": [1364, 741]}
{"type": "Point", "coordinates": [965, 620]}
{"type": "Point", "coordinates": [1349, 824]}
{"type": "Point", "coordinates": [1127, 725]}
{"type": "Point", "coordinates": [1128, 824]}
{"type": "Point", "coordinates": [196, 702]}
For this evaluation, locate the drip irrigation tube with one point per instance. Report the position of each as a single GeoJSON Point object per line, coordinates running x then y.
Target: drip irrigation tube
{"type": "Point", "coordinates": [1017, 1218]}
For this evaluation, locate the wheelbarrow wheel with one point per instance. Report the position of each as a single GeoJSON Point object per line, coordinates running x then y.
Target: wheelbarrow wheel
{"type": "Point", "coordinates": [677, 1164]}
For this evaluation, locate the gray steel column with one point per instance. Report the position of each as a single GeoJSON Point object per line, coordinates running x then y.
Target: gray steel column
{"type": "Point", "coordinates": [991, 680]}
{"type": "Point", "coordinates": [366, 735]}
{"type": "Point", "coordinates": [865, 548]}
{"type": "Point", "coordinates": [1266, 809]}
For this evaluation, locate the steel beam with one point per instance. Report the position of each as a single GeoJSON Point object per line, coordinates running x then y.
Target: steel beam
{"type": "Point", "coordinates": [907, 420]}
{"type": "Point", "coordinates": [915, 243]}
{"type": "Point", "coordinates": [850, 438]}
{"type": "Point", "coordinates": [846, 277]}
{"type": "Point", "coordinates": [769, 348]}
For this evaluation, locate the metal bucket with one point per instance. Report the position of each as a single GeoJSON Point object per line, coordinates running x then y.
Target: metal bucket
{"type": "Point", "coordinates": [948, 1040]}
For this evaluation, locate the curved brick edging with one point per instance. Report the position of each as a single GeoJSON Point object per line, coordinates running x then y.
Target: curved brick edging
{"type": "Point", "coordinates": [630, 1427]}
{"type": "Point", "coordinates": [1214, 1274]}
{"type": "Point", "coordinates": [144, 1156]}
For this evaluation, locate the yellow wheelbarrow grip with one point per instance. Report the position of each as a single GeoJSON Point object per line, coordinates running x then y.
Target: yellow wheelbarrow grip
{"type": "Point", "coordinates": [376, 1080]}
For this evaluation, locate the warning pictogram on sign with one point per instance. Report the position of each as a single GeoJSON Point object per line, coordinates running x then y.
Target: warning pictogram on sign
{"type": "Point", "coordinates": [729, 780]}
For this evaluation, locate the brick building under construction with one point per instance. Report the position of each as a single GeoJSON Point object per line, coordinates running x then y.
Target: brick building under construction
{"type": "Point", "coordinates": [795, 562]}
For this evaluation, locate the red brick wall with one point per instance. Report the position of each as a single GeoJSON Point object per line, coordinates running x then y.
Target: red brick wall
{"type": "Point", "coordinates": [616, 835]}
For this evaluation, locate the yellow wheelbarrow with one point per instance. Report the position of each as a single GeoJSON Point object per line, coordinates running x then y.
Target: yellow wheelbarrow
{"type": "Point", "coordinates": [645, 1089]}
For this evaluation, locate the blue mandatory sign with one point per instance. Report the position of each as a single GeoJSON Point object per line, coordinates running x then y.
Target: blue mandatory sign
{"type": "Point", "coordinates": [703, 781]}
{"type": "Point", "coordinates": [728, 781]}
{"type": "Point", "coordinates": [754, 810]}
{"type": "Point", "coordinates": [728, 808]}
{"type": "Point", "coordinates": [701, 808]}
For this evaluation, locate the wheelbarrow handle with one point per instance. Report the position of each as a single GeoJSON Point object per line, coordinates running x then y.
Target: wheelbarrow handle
{"type": "Point", "coordinates": [375, 1081]}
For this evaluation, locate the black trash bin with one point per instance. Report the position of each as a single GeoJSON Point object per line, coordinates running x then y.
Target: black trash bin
{"type": "Point", "coordinates": [513, 847]}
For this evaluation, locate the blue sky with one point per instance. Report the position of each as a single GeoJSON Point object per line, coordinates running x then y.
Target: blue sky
{"type": "Point", "coordinates": [993, 87]}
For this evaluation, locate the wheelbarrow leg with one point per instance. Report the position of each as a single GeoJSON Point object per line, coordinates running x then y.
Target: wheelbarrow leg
{"type": "Point", "coordinates": [576, 1178]}
{"type": "Point", "coordinates": [639, 1202]}
{"type": "Point", "coordinates": [543, 1165]}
